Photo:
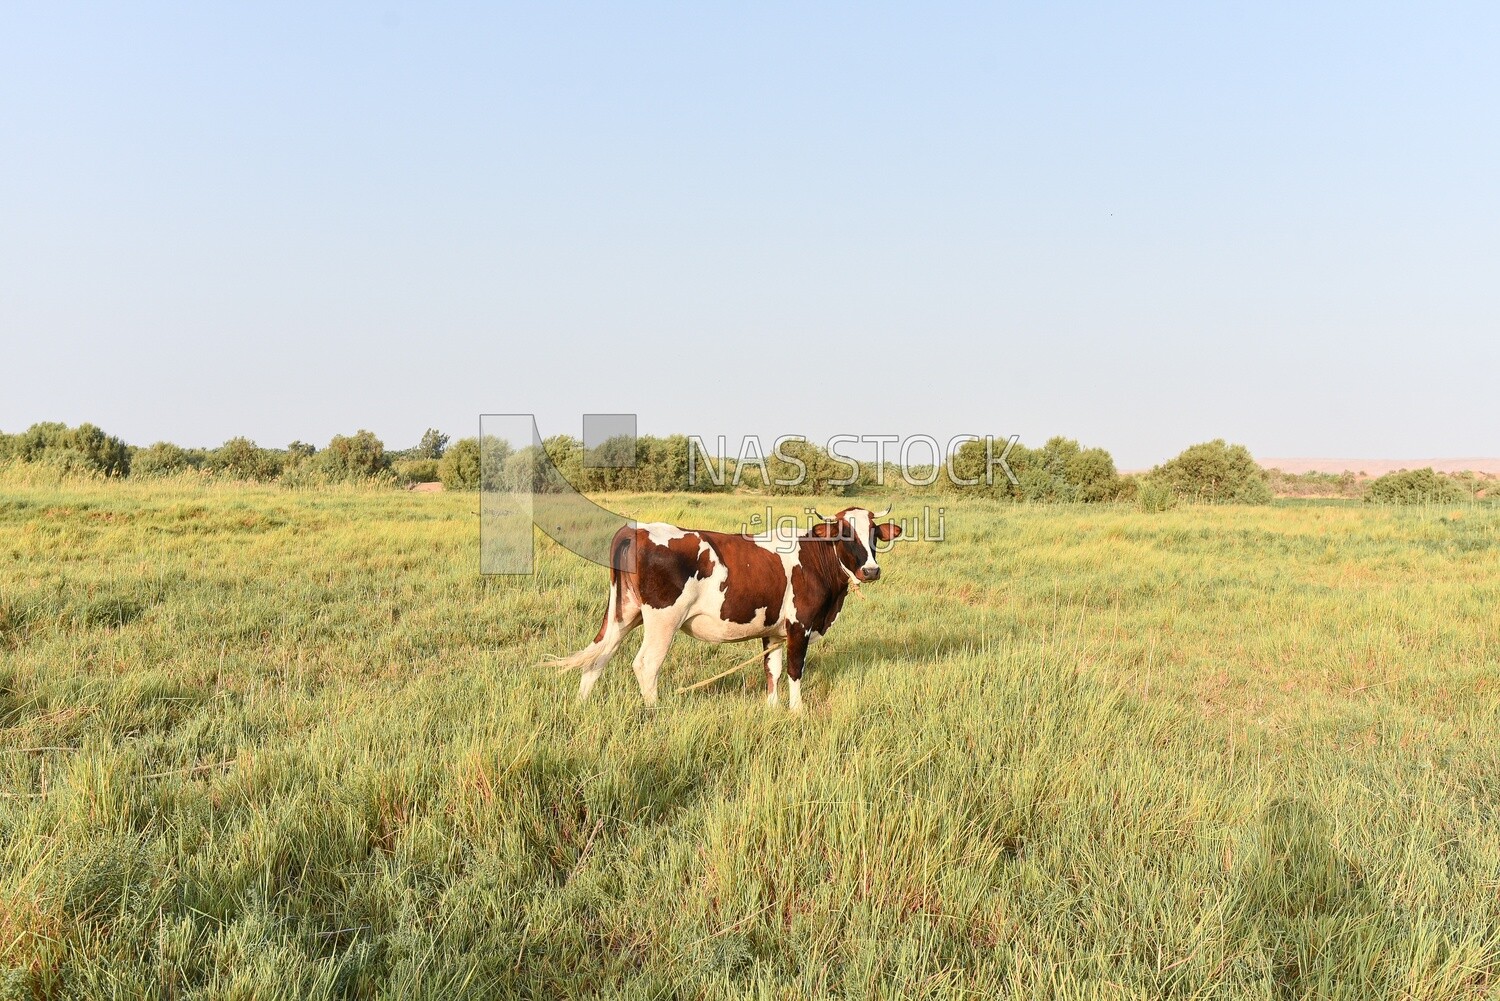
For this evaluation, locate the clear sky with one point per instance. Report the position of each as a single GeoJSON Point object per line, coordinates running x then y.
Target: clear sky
{"type": "Point", "coordinates": [1140, 225]}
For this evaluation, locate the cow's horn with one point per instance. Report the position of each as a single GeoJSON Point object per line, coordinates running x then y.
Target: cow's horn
{"type": "Point", "coordinates": [882, 514]}
{"type": "Point", "coordinates": [821, 515]}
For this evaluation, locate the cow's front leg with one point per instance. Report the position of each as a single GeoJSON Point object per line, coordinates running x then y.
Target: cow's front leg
{"type": "Point", "coordinates": [796, 657]}
{"type": "Point", "coordinates": [774, 659]}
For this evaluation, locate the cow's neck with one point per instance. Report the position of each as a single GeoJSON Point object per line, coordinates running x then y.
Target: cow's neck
{"type": "Point", "coordinates": [828, 556]}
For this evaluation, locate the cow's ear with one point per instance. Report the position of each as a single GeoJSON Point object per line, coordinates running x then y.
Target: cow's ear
{"type": "Point", "coordinates": [890, 530]}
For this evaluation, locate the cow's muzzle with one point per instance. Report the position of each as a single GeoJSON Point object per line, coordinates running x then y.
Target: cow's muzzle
{"type": "Point", "coordinates": [867, 574]}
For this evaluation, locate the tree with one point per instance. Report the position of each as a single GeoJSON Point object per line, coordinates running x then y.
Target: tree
{"type": "Point", "coordinates": [1060, 471]}
{"type": "Point", "coordinates": [1092, 472]}
{"type": "Point", "coordinates": [493, 454]}
{"type": "Point", "coordinates": [432, 446]}
{"type": "Point", "coordinates": [545, 470]}
{"type": "Point", "coordinates": [353, 457]}
{"type": "Point", "coordinates": [561, 459]}
{"type": "Point", "coordinates": [459, 467]}
{"type": "Point", "coordinates": [242, 459]}
{"type": "Point", "coordinates": [1214, 472]}
{"type": "Point", "coordinates": [85, 448]}
{"type": "Point", "coordinates": [617, 464]}
{"type": "Point", "coordinates": [799, 468]}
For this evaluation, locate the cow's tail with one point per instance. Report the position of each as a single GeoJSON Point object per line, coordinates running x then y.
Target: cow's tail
{"type": "Point", "coordinates": [612, 630]}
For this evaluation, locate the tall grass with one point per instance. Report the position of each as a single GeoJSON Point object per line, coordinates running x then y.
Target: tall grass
{"type": "Point", "coordinates": [265, 743]}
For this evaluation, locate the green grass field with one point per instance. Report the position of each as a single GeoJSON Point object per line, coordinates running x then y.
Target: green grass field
{"type": "Point", "coordinates": [264, 743]}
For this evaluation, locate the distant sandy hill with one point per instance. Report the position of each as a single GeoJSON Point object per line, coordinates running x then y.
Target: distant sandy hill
{"type": "Point", "coordinates": [1379, 467]}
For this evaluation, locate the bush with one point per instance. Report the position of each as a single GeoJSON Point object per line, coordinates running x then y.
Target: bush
{"type": "Point", "coordinates": [1314, 484]}
{"type": "Point", "coordinates": [1061, 470]}
{"type": "Point", "coordinates": [84, 449]}
{"type": "Point", "coordinates": [242, 459]}
{"type": "Point", "coordinates": [299, 452]}
{"type": "Point", "coordinates": [799, 468]}
{"type": "Point", "coordinates": [415, 470]}
{"type": "Point", "coordinates": [1415, 486]}
{"type": "Point", "coordinates": [354, 457]}
{"type": "Point", "coordinates": [1154, 496]}
{"type": "Point", "coordinates": [662, 465]}
{"type": "Point", "coordinates": [1214, 472]}
{"type": "Point", "coordinates": [532, 468]}
{"type": "Point", "coordinates": [657, 465]}
{"type": "Point", "coordinates": [459, 467]}
{"type": "Point", "coordinates": [164, 459]}
{"type": "Point", "coordinates": [1093, 475]}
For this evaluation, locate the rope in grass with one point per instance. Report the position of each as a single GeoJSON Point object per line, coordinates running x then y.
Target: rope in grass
{"type": "Point", "coordinates": [724, 674]}
{"type": "Point", "coordinates": [853, 586]}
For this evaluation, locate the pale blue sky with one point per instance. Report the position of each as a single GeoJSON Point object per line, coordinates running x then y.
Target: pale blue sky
{"type": "Point", "coordinates": [1141, 225]}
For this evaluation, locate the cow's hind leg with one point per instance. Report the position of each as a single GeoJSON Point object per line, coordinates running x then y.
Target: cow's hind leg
{"type": "Point", "coordinates": [660, 626]}
{"type": "Point", "coordinates": [608, 643]}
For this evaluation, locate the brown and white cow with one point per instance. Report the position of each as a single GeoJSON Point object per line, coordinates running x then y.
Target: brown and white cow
{"type": "Point", "coordinates": [784, 589]}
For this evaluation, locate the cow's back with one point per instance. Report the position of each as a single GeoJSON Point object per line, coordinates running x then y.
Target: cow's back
{"type": "Point", "coordinates": [756, 582]}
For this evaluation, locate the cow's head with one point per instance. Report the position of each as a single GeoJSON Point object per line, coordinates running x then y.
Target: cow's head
{"type": "Point", "coordinates": [854, 532]}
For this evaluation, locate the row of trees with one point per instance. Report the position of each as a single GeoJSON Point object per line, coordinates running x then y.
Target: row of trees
{"type": "Point", "coordinates": [89, 450]}
{"type": "Point", "coordinates": [1060, 471]}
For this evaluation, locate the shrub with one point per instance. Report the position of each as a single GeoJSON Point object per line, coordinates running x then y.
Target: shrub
{"type": "Point", "coordinates": [1214, 472]}
{"type": "Point", "coordinates": [1154, 496]}
{"type": "Point", "coordinates": [415, 470]}
{"type": "Point", "coordinates": [299, 452]}
{"type": "Point", "coordinates": [979, 461]}
{"type": "Point", "coordinates": [242, 459]}
{"type": "Point", "coordinates": [164, 459]}
{"type": "Point", "coordinates": [563, 460]}
{"type": "Point", "coordinates": [1313, 484]}
{"type": "Point", "coordinates": [530, 468]}
{"type": "Point", "coordinates": [1415, 486]}
{"type": "Point", "coordinates": [1093, 475]}
{"type": "Point", "coordinates": [1039, 485]}
{"type": "Point", "coordinates": [1061, 470]}
{"type": "Point", "coordinates": [618, 463]}
{"type": "Point", "coordinates": [353, 457]}
{"type": "Point", "coordinates": [303, 475]}
{"type": "Point", "coordinates": [658, 465]}
{"type": "Point", "coordinates": [799, 468]}
{"type": "Point", "coordinates": [459, 467]}
{"type": "Point", "coordinates": [662, 465]}
{"type": "Point", "coordinates": [85, 449]}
